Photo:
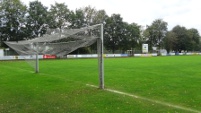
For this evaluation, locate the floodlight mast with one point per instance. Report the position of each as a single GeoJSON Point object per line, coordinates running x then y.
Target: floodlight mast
{"type": "Point", "coordinates": [101, 58]}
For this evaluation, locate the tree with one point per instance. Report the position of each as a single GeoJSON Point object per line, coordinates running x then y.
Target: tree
{"type": "Point", "coordinates": [170, 41]}
{"type": "Point", "coordinates": [194, 37]}
{"type": "Point", "coordinates": [124, 38]}
{"type": "Point", "coordinates": [100, 17]}
{"type": "Point", "coordinates": [59, 16]}
{"type": "Point", "coordinates": [149, 37]}
{"type": "Point", "coordinates": [113, 32]}
{"type": "Point", "coordinates": [156, 32]}
{"type": "Point", "coordinates": [91, 16]}
{"type": "Point", "coordinates": [36, 19]}
{"type": "Point", "coordinates": [2, 23]}
{"type": "Point", "coordinates": [120, 35]}
{"type": "Point", "coordinates": [160, 28]}
{"type": "Point", "coordinates": [130, 37]}
{"type": "Point", "coordinates": [12, 17]}
{"type": "Point", "coordinates": [134, 35]}
{"type": "Point", "coordinates": [77, 19]}
{"type": "Point", "coordinates": [87, 16]}
{"type": "Point", "coordinates": [183, 40]}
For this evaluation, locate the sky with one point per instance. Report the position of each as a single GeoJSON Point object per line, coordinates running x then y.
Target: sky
{"type": "Point", "coordinates": [143, 12]}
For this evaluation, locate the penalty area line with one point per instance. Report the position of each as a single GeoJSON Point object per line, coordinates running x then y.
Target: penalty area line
{"type": "Point", "coordinates": [150, 100]}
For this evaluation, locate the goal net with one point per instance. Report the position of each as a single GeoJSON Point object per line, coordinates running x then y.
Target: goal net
{"type": "Point", "coordinates": [60, 42]}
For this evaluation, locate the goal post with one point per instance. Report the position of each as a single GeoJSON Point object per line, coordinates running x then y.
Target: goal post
{"type": "Point", "coordinates": [60, 42]}
{"type": "Point", "coordinates": [101, 58]}
{"type": "Point", "coordinates": [37, 60]}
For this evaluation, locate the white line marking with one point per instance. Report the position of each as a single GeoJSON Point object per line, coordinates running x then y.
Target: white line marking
{"type": "Point", "coordinates": [150, 100]}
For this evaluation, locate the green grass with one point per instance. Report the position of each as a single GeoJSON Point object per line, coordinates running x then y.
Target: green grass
{"type": "Point", "coordinates": [60, 87]}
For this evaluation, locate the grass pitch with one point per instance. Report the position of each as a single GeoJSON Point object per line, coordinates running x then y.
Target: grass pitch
{"type": "Point", "coordinates": [60, 87]}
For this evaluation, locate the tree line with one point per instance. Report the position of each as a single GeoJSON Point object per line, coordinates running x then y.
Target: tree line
{"type": "Point", "coordinates": [19, 22]}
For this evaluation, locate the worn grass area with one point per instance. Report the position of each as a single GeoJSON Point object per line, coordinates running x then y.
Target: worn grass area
{"type": "Point", "coordinates": [61, 85]}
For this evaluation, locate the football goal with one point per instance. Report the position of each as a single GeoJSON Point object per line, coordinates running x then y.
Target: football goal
{"type": "Point", "coordinates": [60, 42]}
